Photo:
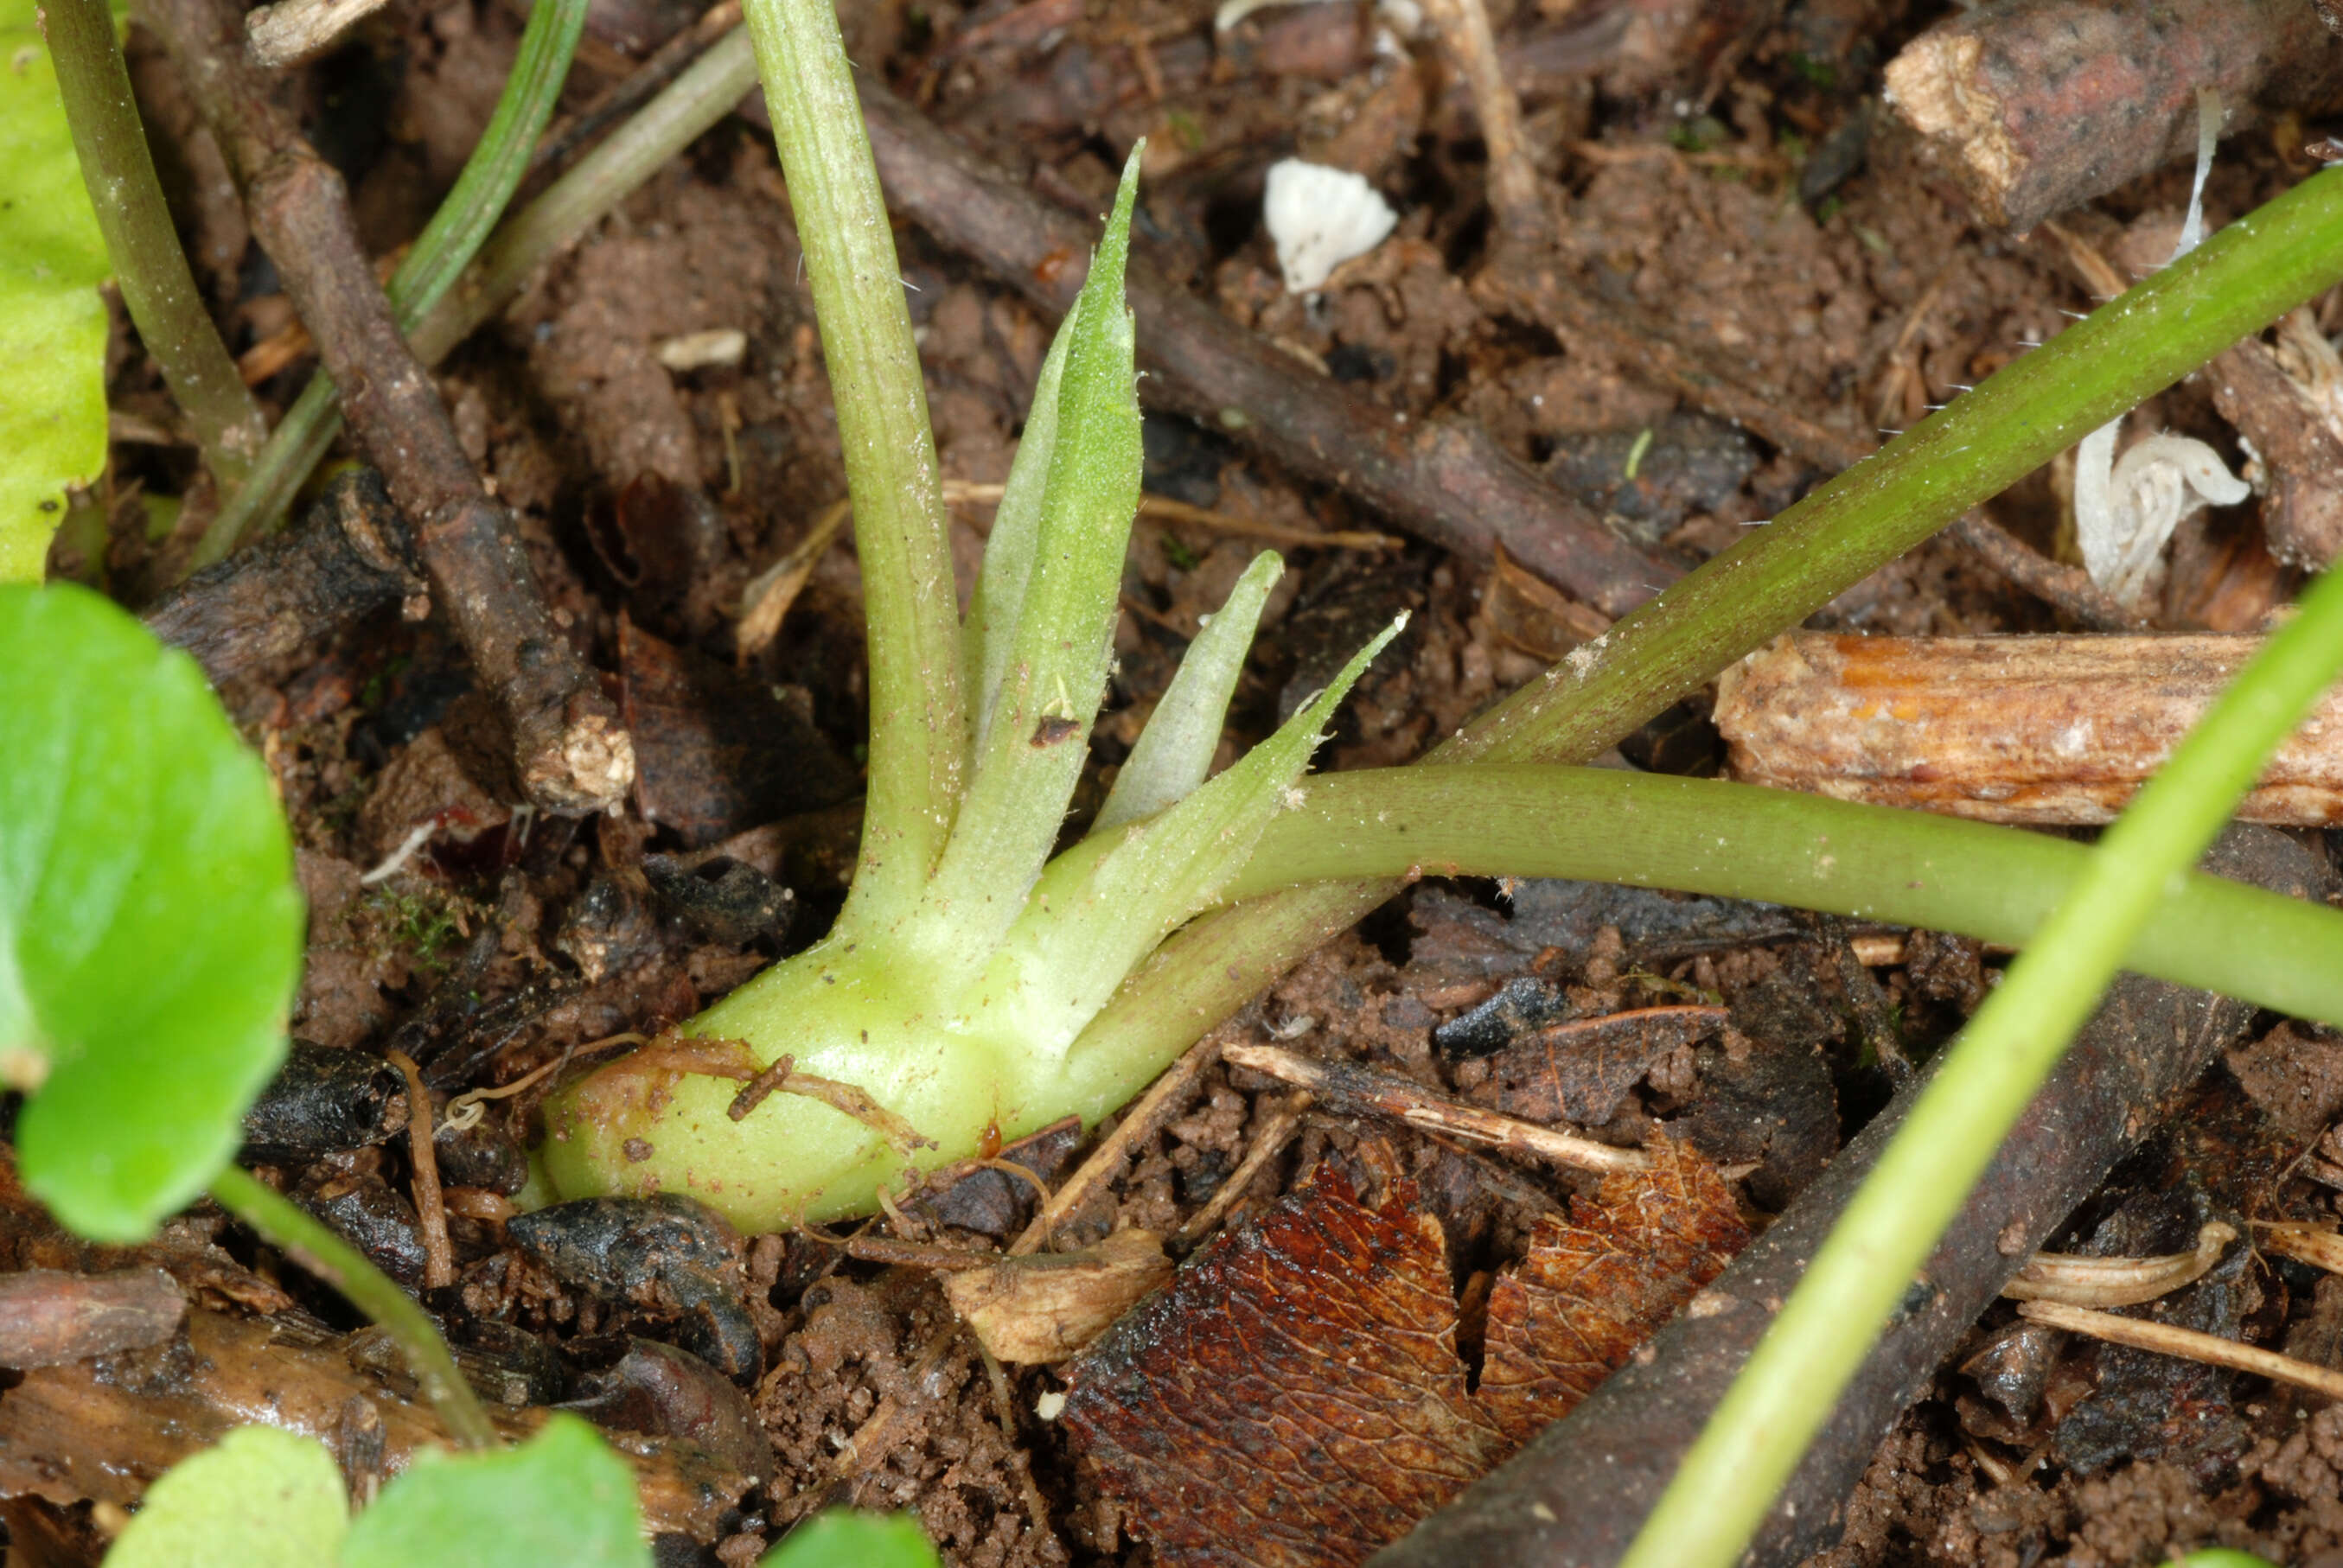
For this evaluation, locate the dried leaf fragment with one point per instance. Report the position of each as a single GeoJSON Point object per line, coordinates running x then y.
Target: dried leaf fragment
{"type": "Point", "coordinates": [1047, 1306]}
{"type": "Point", "coordinates": [1295, 1399]}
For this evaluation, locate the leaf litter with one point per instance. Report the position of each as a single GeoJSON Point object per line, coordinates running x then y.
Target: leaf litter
{"type": "Point", "coordinates": [1298, 1397]}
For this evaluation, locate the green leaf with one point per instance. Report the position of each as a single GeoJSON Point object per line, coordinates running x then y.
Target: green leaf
{"type": "Point", "coordinates": [52, 323]}
{"type": "Point", "coordinates": [262, 1499]}
{"type": "Point", "coordinates": [838, 1539]}
{"type": "Point", "coordinates": [150, 929]}
{"type": "Point", "coordinates": [561, 1497]}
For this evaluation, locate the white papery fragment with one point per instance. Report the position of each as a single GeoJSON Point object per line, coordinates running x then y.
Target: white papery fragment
{"type": "Point", "coordinates": [1320, 217]}
{"type": "Point", "coordinates": [2126, 510]}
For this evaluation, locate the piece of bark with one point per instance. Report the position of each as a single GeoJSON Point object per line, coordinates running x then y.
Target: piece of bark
{"type": "Point", "coordinates": [2034, 729]}
{"type": "Point", "coordinates": [70, 1434]}
{"type": "Point", "coordinates": [2039, 106]}
{"type": "Point", "coordinates": [48, 1317]}
{"type": "Point", "coordinates": [1578, 1494]}
{"type": "Point", "coordinates": [1446, 482]}
{"type": "Point", "coordinates": [351, 556]}
{"type": "Point", "coordinates": [2301, 453]}
{"type": "Point", "coordinates": [569, 753]}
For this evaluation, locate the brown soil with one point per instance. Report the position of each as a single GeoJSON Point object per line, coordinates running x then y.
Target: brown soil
{"type": "Point", "coordinates": [505, 940]}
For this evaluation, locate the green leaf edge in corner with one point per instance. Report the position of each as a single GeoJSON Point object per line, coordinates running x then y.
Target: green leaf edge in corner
{"type": "Point", "coordinates": [563, 1497]}
{"type": "Point", "coordinates": [52, 325]}
{"type": "Point", "coordinates": [150, 926]}
{"type": "Point", "coordinates": [842, 1539]}
{"type": "Point", "coordinates": [260, 1498]}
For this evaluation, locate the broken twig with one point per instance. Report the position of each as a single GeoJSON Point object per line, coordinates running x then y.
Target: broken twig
{"type": "Point", "coordinates": [2189, 1344]}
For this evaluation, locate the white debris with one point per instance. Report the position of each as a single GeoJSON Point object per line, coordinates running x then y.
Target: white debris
{"type": "Point", "coordinates": [1049, 1405]}
{"type": "Point", "coordinates": [2125, 510]}
{"type": "Point", "coordinates": [699, 350]}
{"type": "Point", "coordinates": [2208, 136]}
{"type": "Point", "coordinates": [1320, 217]}
{"type": "Point", "coordinates": [1407, 15]}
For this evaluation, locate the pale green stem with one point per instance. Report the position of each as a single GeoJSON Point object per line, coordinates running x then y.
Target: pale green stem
{"type": "Point", "coordinates": [1741, 841]}
{"type": "Point", "coordinates": [150, 268]}
{"type": "Point", "coordinates": [919, 736]}
{"type": "Point", "coordinates": [284, 1226]}
{"type": "Point", "coordinates": [439, 254]}
{"type": "Point", "coordinates": [1761, 1429]}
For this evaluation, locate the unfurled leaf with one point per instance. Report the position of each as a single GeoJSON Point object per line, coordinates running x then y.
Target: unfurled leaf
{"type": "Point", "coordinates": [261, 1499]}
{"type": "Point", "coordinates": [1295, 1399]}
{"type": "Point", "coordinates": [838, 1539]}
{"type": "Point", "coordinates": [52, 321]}
{"type": "Point", "coordinates": [150, 929]}
{"type": "Point", "coordinates": [562, 1497]}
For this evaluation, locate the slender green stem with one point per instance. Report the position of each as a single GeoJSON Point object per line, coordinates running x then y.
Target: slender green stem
{"type": "Point", "coordinates": [918, 736]}
{"type": "Point", "coordinates": [283, 1225]}
{"type": "Point", "coordinates": [148, 263]}
{"type": "Point", "coordinates": [1761, 1429]}
{"type": "Point", "coordinates": [1740, 841]}
{"type": "Point", "coordinates": [438, 256]}
{"type": "Point", "coordinates": [2235, 283]}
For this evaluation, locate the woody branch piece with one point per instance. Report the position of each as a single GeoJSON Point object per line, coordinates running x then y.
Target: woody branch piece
{"type": "Point", "coordinates": [2037, 106]}
{"type": "Point", "coordinates": [569, 753]}
{"type": "Point", "coordinates": [1446, 482]}
{"type": "Point", "coordinates": [2044, 730]}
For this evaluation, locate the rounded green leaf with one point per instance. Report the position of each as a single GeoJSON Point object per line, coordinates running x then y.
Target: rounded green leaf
{"type": "Point", "coordinates": [52, 322]}
{"type": "Point", "coordinates": [839, 1539]}
{"type": "Point", "coordinates": [150, 929]}
{"type": "Point", "coordinates": [261, 1499]}
{"type": "Point", "coordinates": [561, 1497]}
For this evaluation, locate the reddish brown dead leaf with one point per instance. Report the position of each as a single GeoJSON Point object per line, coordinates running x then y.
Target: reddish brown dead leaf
{"type": "Point", "coordinates": [1595, 1287]}
{"type": "Point", "coordinates": [1294, 1399]}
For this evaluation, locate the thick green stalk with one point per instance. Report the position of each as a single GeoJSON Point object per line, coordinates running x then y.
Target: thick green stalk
{"type": "Point", "coordinates": [438, 257]}
{"type": "Point", "coordinates": [327, 1255]}
{"type": "Point", "coordinates": [152, 270]}
{"type": "Point", "coordinates": [1761, 1429]}
{"type": "Point", "coordinates": [2235, 283]}
{"type": "Point", "coordinates": [919, 739]}
{"type": "Point", "coordinates": [1740, 841]}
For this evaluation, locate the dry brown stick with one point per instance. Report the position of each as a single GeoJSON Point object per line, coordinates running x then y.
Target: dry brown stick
{"type": "Point", "coordinates": [2064, 587]}
{"type": "Point", "coordinates": [430, 1211]}
{"type": "Point", "coordinates": [2039, 106]}
{"type": "Point", "coordinates": [2167, 1339]}
{"type": "Point", "coordinates": [569, 753]}
{"type": "Point", "coordinates": [1162, 1100]}
{"type": "Point", "coordinates": [1446, 482]}
{"type": "Point", "coordinates": [2053, 730]}
{"type": "Point", "coordinates": [1514, 201]}
{"type": "Point", "coordinates": [1358, 1090]}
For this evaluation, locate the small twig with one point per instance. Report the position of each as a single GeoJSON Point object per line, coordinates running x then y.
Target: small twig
{"type": "Point", "coordinates": [1162, 1101]}
{"type": "Point", "coordinates": [1164, 509]}
{"type": "Point", "coordinates": [2165, 1339]}
{"type": "Point", "coordinates": [2064, 587]}
{"type": "Point", "coordinates": [292, 31]}
{"type": "Point", "coordinates": [2078, 1280]}
{"type": "Point", "coordinates": [898, 1253]}
{"type": "Point", "coordinates": [1464, 28]}
{"type": "Point", "coordinates": [569, 753]}
{"type": "Point", "coordinates": [1276, 1131]}
{"type": "Point", "coordinates": [324, 1255]}
{"type": "Point", "coordinates": [1360, 1091]}
{"type": "Point", "coordinates": [431, 1212]}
